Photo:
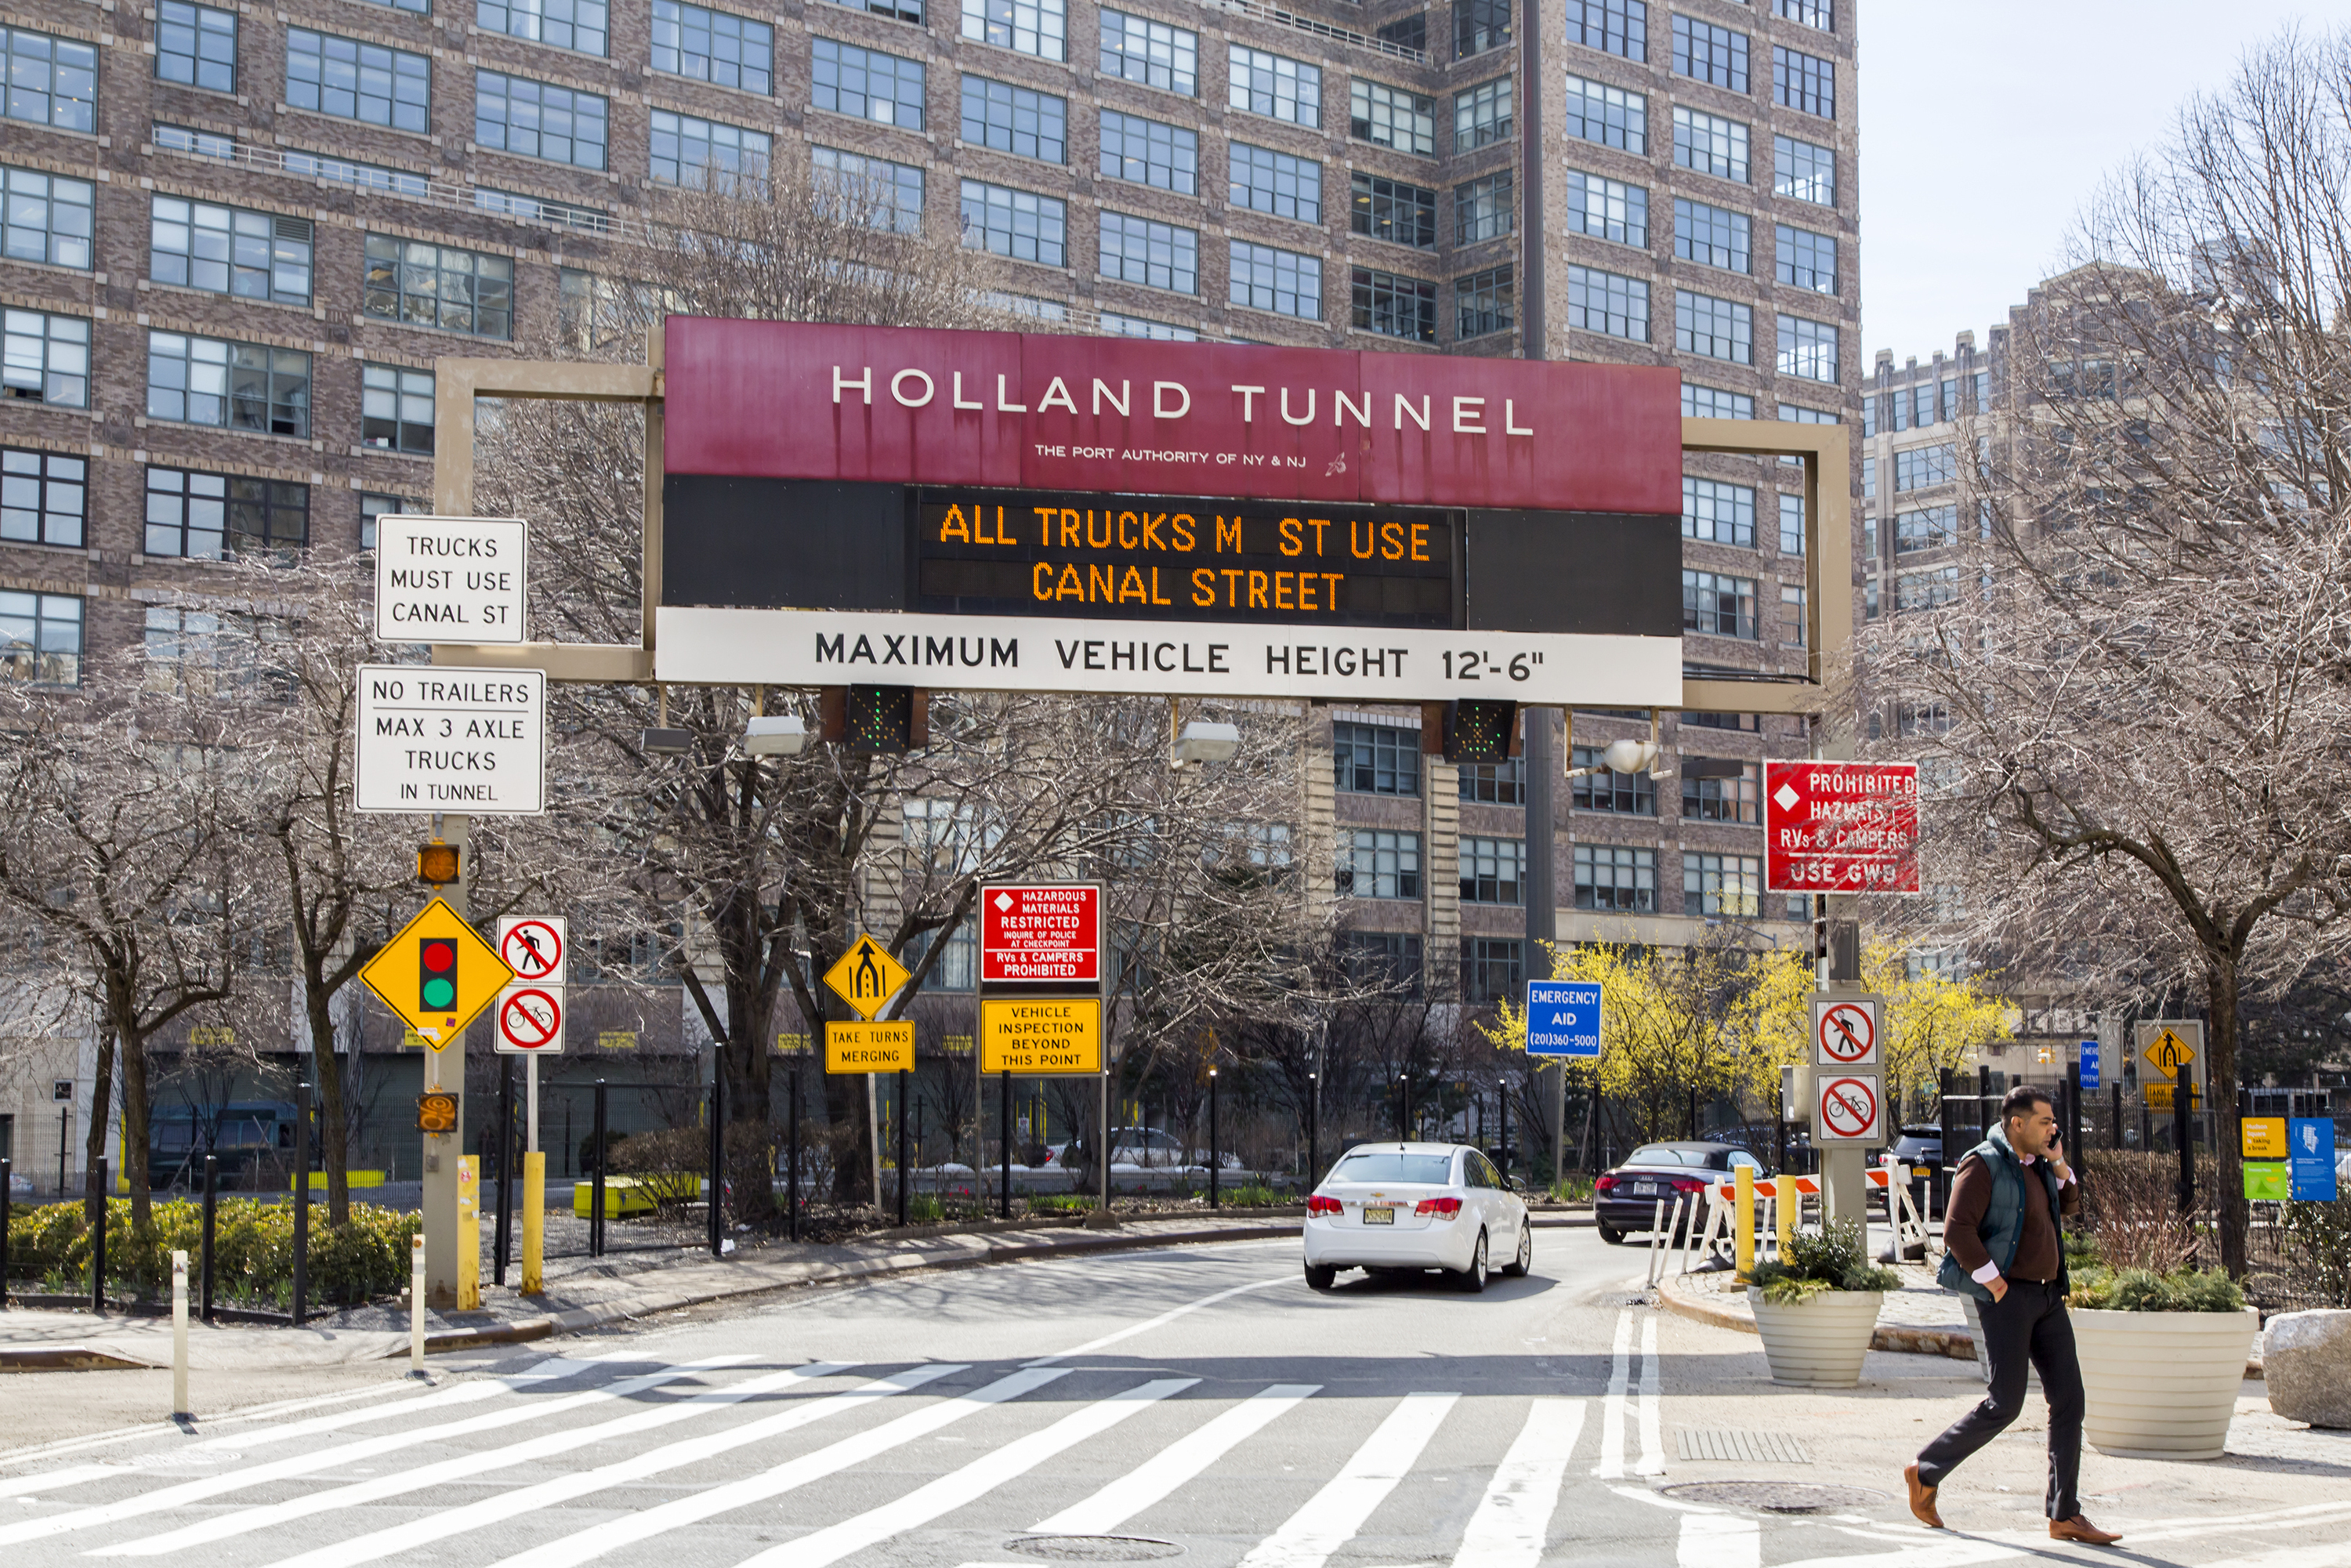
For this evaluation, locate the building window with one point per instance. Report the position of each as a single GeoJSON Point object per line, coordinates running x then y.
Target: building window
{"type": "Point", "coordinates": [885, 196]}
{"type": "Point", "coordinates": [43, 498]}
{"type": "Point", "coordinates": [1924, 467]}
{"type": "Point", "coordinates": [51, 82]}
{"type": "Point", "coordinates": [1981, 382]}
{"type": "Point", "coordinates": [1792, 616]}
{"type": "Point", "coordinates": [714, 47]}
{"type": "Point", "coordinates": [1932, 527]}
{"type": "Point", "coordinates": [594, 311]}
{"type": "Point", "coordinates": [224, 250]}
{"type": "Point", "coordinates": [1717, 328]}
{"type": "Point", "coordinates": [1795, 414]}
{"type": "Point", "coordinates": [1393, 211]}
{"type": "Point", "coordinates": [1869, 477]}
{"type": "Point", "coordinates": [1869, 613]}
{"type": "Point", "coordinates": [1818, 14]}
{"type": "Point", "coordinates": [1268, 182]}
{"type": "Point", "coordinates": [372, 507]}
{"type": "Point", "coordinates": [1607, 209]}
{"type": "Point", "coordinates": [693, 153]}
{"type": "Point", "coordinates": [1493, 969]}
{"type": "Point", "coordinates": [1375, 758]}
{"type": "Point", "coordinates": [1608, 115]}
{"type": "Point", "coordinates": [1117, 325]}
{"type": "Point", "coordinates": [1616, 877]}
{"type": "Point", "coordinates": [1924, 392]}
{"type": "Point", "coordinates": [1016, 120]}
{"type": "Point", "coordinates": [1481, 115]}
{"type": "Point", "coordinates": [1274, 86]}
{"type": "Point", "coordinates": [1482, 209]}
{"type": "Point", "coordinates": [1617, 27]}
{"type": "Point", "coordinates": [1713, 403]}
{"type": "Point", "coordinates": [1626, 794]}
{"type": "Point", "coordinates": [1707, 53]}
{"type": "Point", "coordinates": [1494, 783]}
{"type": "Point", "coordinates": [207, 517]}
{"type": "Point", "coordinates": [1406, 32]}
{"type": "Point", "coordinates": [46, 359]}
{"type": "Point", "coordinates": [1927, 589]}
{"type": "Point", "coordinates": [1713, 236]}
{"type": "Point", "coordinates": [1737, 798]}
{"type": "Point", "coordinates": [198, 143]}
{"type": "Point", "coordinates": [866, 84]}
{"type": "Point", "coordinates": [1155, 254]}
{"type": "Point", "coordinates": [581, 25]}
{"type": "Point", "coordinates": [208, 654]}
{"type": "Point", "coordinates": [1388, 116]}
{"type": "Point", "coordinates": [1711, 144]}
{"type": "Point", "coordinates": [1716, 512]}
{"type": "Point", "coordinates": [1721, 884]}
{"type": "Point", "coordinates": [1389, 961]}
{"type": "Point", "coordinates": [1395, 306]}
{"type": "Point", "coordinates": [396, 408]}
{"type": "Point", "coordinates": [1608, 303]}
{"type": "Point", "coordinates": [40, 639]}
{"type": "Point", "coordinates": [365, 82]}
{"type": "Point", "coordinates": [1808, 348]}
{"type": "Point", "coordinates": [1146, 152]}
{"type": "Point", "coordinates": [195, 45]}
{"type": "Point", "coordinates": [1912, 719]}
{"type": "Point", "coordinates": [1747, 723]}
{"type": "Point", "coordinates": [237, 386]}
{"type": "Point", "coordinates": [1803, 172]}
{"type": "Point", "coordinates": [1264, 278]}
{"type": "Point", "coordinates": [536, 120]}
{"type": "Point", "coordinates": [1486, 302]}
{"type": "Point", "coordinates": [1017, 224]}
{"type": "Point", "coordinates": [1791, 525]}
{"type": "Point", "coordinates": [1480, 26]}
{"type": "Point", "coordinates": [1031, 26]}
{"type": "Point", "coordinates": [1135, 48]}
{"type": "Point", "coordinates": [1806, 260]}
{"type": "Point", "coordinates": [425, 284]}
{"type": "Point", "coordinates": [1493, 871]}
{"type": "Point", "coordinates": [44, 218]}
{"type": "Point", "coordinates": [1715, 605]}
{"type": "Point", "coordinates": [957, 968]}
{"type": "Point", "coordinates": [1804, 82]}
{"type": "Point", "coordinates": [1374, 863]}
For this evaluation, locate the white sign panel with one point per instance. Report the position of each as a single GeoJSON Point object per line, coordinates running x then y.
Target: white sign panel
{"type": "Point", "coordinates": [449, 579]}
{"type": "Point", "coordinates": [535, 947]}
{"type": "Point", "coordinates": [1844, 1031]}
{"type": "Point", "coordinates": [432, 738]}
{"type": "Point", "coordinates": [1851, 1108]}
{"type": "Point", "coordinates": [530, 1021]}
{"type": "Point", "coordinates": [1187, 658]}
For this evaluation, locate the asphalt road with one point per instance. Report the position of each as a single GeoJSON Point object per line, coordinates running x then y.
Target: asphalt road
{"type": "Point", "coordinates": [1197, 1404]}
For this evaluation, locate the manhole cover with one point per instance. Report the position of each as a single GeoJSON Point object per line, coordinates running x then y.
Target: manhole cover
{"type": "Point", "coordinates": [1094, 1548]}
{"type": "Point", "coordinates": [1776, 1497]}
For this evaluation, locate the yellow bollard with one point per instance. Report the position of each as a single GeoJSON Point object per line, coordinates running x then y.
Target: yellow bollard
{"type": "Point", "coordinates": [1784, 1209]}
{"type": "Point", "coordinates": [534, 1221]}
{"type": "Point", "coordinates": [469, 1233]}
{"type": "Point", "coordinates": [1746, 1222]}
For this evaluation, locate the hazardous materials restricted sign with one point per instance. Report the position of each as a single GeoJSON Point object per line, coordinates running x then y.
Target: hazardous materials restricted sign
{"type": "Point", "coordinates": [1032, 936]}
{"type": "Point", "coordinates": [465, 741]}
{"type": "Point", "coordinates": [1044, 1035]}
{"type": "Point", "coordinates": [1841, 827]}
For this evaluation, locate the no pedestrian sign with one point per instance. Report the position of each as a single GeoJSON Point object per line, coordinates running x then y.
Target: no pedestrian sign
{"type": "Point", "coordinates": [1841, 827]}
{"type": "Point", "coordinates": [1844, 1031]}
{"type": "Point", "coordinates": [533, 948]}
{"type": "Point", "coordinates": [1040, 935]}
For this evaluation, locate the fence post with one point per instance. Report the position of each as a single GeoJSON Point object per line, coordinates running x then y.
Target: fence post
{"type": "Point", "coordinates": [717, 1147]}
{"type": "Point", "coordinates": [1950, 1161]}
{"type": "Point", "coordinates": [416, 1305]}
{"type": "Point", "coordinates": [792, 1146]}
{"type": "Point", "coordinates": [6, 1169]}
{"type": "Point", "coordinates": [179, 1337]}
{"type": "Point", "coordinates": [2183, 1103]}
{"type": "Point", "coordinates": [1004, 1108]}
{"type": "Point", "coordinates": [212, 1213]}
{"type": "Point", "coordinates": [2114, 1133]}
{"type": "Point", "coordinates": [2073, 1113]}
{"type": "Point", "coordinates": [301, 1204]}
{"type": "Point", "coordinates": [1214, 1158]}
{"type": "Point", "coordinates": [904, 1177]}
{"type": "Point", "coordinates": [97, 1243]}
{"type": "Point", "coordinates": [502, 1240]}
{"type": "Point", "coordinates": [1314, 1131]}
{"type": "Point", "coordinates": [596, 1197]}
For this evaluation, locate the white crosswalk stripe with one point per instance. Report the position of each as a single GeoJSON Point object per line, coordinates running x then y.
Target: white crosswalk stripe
{"type": "Point", "coordinates": [1513, 1519]}
{"type": "Point", "coordinates": [1333, 1516]}
{"type": "Point", "coordinates": [1720, 1541]}
{"type": "Point", "coordinates": [1612, 1405]}
{"type": "Point", "coordinates": [1179, 1462]}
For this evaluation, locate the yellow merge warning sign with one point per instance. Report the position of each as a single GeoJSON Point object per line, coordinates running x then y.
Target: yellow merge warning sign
{"type": "Point", "coordinates": [870, 1046]}
{"type": "Point", "coordinates": [1061, 1034]}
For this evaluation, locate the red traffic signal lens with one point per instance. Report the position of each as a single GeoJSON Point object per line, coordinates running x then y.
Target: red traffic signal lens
{"type": "Point", "coordinates": [439, 955]}
{"type": "Point", "coordinates": [436, 979]}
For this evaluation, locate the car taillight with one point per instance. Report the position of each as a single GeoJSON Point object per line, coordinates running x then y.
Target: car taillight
{"type": "Point", "coordinates": [1604, 1184]}
{"type": "Point", "coordinates": [1443, 1208]}
{"type": "Point", "coordinates": [1689, 1184]}
{"type": "Point", "coordinates": [1318, 1204]}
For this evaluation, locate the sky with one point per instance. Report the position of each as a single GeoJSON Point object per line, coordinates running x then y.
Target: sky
{"type": "Point", "coordinates": [1987, 124]}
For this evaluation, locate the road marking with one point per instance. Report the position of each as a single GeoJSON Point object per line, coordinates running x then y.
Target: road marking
{"type": "Point", "coordinates": [492, 1511]}
{"type": "Point", "coordinates": [1720, 1541]}
{"type": "Point", "coordinates": [74, 1475]}
{"type": "Point", "coordinates": [1513, 1519]}
{"type": "Point", "coordinates": [1961, 1552]}
{"type": "Point", "coordinates": [1612, 1405]}
{"type": "Point", "coordinates": [1180, 1461]}
{"type": "Point", "coordinates": [586, 1545]}
{"type": "Point", "coordinates": [1333, 1516]}
{"type": "Point", "coordinates": [968, 1485]}
{"type": "Point", "coordinates": [467, 1466]}
{"type": "Point", "coordinates": [1653, 1449]}
{"type": "Point", "coordinates": [311, 1464]}
{"type": "Point", "coordinates": [1166, 1317]}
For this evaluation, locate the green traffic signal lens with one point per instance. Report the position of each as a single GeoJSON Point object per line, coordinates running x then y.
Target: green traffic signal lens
{"type": "Point", "coordinates": [439, 993]}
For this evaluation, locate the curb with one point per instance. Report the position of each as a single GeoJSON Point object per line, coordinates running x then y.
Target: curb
{"type": "Point", "coordinates": [64, 1358]}
{"type": "Point", "coordinates": [1956, 1344]}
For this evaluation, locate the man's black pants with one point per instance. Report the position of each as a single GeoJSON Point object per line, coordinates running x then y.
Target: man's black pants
{"type": "Point", "coordinates": [2026, 1326]}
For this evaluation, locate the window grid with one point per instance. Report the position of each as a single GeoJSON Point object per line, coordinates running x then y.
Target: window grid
{"type": "Point", "coordinates": [1804, 82]}
{"type": "Point", "coordinates": [1483, 209]}
{"type": "Point", "coordinates": [538, 119]}
{"type": "Point", "coordinates": [235, 386]}
{"type": "Point", "coordinates": [209, 516]}
{"type": "Point", "coordinates": [1607, 209]}
{"type": "Point", "coordinates": [1480, 26]}
{"type": "Point", "coordinates": [1393, 211]}
{"type": "Point", "coordinates": [1717, 328]}
{"type": "Point", "coordinates": [1808, 348]}
{"type": "Point", "coordinates": [1374, 863]}
{"type": "Point", "coordinates": [1375, 758]}
{"type": "Point", "coordinates": [1389, 960]}
{"type": "Point", "coordinates": [1274, 86]}
{"type": "Point", "coordinates": [396, 408]}
{"type": "Point", "coordinates": [1802, 171]}
{"type": "Point", "coordinates": [1395, 306]}
{"type": "Point", "coordinates": [1493, 783]}
{"type": "Point", "coordinates": [1616, 877]}
{"type": "Point", "coordinates": [45, 358]}
{"type": "Point", "coordinates": [351, 80]}
{"type": "Point", "coordinates": [1145, 152]}
{"type": "Point", "coordinates": [46, 218]}
{"type": "Point", "coordinates": [373, 505]}
{"type": "Point", "coordinates": [1267, 182]}
{"type": "Point", "coordinates": [1716, 606]}
{"type": "Point", "coordinates": [1608, 115]}
{"type": "Point", "coordinates": [1820, 13]}
{"type": "Point", "coordinates": [1155, 254]}
{"type": "Point", "coordinates": [1711, 144]}
{"type": "Point", "coordinates": [50, 81]}
{"type": "Point", "coordinates": [1612, 27]}
{"type": "Point", "coordinates": [1792, 616]}
{"type": "Point", "coordinates": [1282, 281]}
{"type": "Point", "coordinates": [425, 284]}
{"type": "Point", "coordinates": [1721, 884]}
{"type": "Point", "coordinates": [1704, 52]}
{"type": "Point", "coordinates": [1927, 589]}
{"type": "Point", "coordinates": [1135, 48]}
{"type": "Point", "coordinates": [890, 195]}
{"type": "Point", "coordinates": [1805, 260]}
{"type": "Point", "coordinates": [1717, 512]}
{"type": "Point", "coordinates": [1626, 794]}
{"type": "Point", "coordinates": [1120, 326]}
{"type": "Point", "coordinates": [40, 639]}
{"type": "Point", "coordinates": [1608, 303]}
{"type": "Point", "coordinates": [1016, 120]}
{"type": "Point", "coordinates": [866, 84]}
{"type": "Point", "coordinates": [1017, 224]}
{"type": "Point", "coordinates": [1486, 302]}
{"type": "Point", "coordinates": [1388, 116]}
{"type": "Point", "coordinates": [1737, 799]}
{"type": "Point", "coordinates": [1791, 525]}
{"type": "Point", "coordinates": [1930, 527]}
{"type": "Point", "coordinates": [1481, 115]}
{"type": "Point", "coordinates": [1713, 403]}
{"type": "Point", "coordinates": [1713, 236]}
{"type": "Point", "coordinates": [1493, 969]}
{"type": "Point", "coordinates": [1493, 871]}
{"type": "Point", "coordinates": [715, 47]}
{"type": "Point", "coordinates": [43, 498]}
{"type": "Point", "coordinates": [686, 151]}
{"type": "Point", "coordinates": [195, 45]}
{"type": "Point", "coordinates": [1038, 27]}
{"type": "Point", "coordinates": [583, 26]}
{"type": "Point", "coordinates": [227, 250]}
{"type": "Point", "coordinates": [1924, 467]}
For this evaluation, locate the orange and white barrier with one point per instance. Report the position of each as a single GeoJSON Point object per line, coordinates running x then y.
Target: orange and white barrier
{"type": "Point", "coordinates": [1909, 1224]}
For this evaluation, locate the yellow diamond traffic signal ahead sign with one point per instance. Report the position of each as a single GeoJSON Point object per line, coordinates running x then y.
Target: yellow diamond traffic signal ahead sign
{"type": "Point", "coordinates": [437, 973]}
{"type": "Point", "coordinates": [866, 976]}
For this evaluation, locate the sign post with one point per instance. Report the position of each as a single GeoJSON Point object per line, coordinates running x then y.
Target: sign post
{"type": "Point", "coordinates": [530, 1021]}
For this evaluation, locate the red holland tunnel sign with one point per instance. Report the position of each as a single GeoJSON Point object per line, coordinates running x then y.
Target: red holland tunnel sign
{"type": "Point", "coordinates": [1841, 827]}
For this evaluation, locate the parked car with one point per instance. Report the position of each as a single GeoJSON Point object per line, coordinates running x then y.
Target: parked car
{"type": "Point", "coordinates": [1918, 1152]}
{"type": "Point", "coordinates": [1624, 1200]}
{"type": "Point", "coordinates": [20, 1186]}
{"type": "Point", "coordinates": [1410, 1208]}
{"type": "Point", "coordinates": [1151, 1148]}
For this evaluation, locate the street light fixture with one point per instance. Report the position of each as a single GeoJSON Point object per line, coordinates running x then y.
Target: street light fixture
{"type": "Point", "coordinates": [1204, 740]}
{"type": "Point", "coordinates": [784, 734]}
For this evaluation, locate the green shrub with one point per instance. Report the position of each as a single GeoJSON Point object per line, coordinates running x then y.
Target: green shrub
{"type": "Point", "coordinates": [253, 1250]}
{"type": "Point", "coordinates": [1250, 1194]}
{"type": "Point", "coordinates": [1834, 1258]}
{"type": "Point", "coordinates": [2145, 1291]}
{"type": "Point", "coordinates": [1573, 1189]}
{"type": "Point", "coordinates": [1059, 1203]}
{"type": "Point", "coordinates": [2318, 1240]}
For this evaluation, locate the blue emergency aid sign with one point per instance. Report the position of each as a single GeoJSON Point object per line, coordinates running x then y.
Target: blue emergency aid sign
{"type": "Point", "coordinates": [2310, 1158]}
{"type": "Point", "coordinates": [1563, 1019]}
{"type": "Point", "coordinates": [2089, 1060]}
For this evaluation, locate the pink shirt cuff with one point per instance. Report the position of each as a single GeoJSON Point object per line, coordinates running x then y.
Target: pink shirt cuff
{"type": "Point", "coordinates": [1986, 1275]}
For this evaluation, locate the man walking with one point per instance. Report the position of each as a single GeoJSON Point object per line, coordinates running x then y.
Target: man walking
{"type": "Point", "coordinates": [2003, 1226]}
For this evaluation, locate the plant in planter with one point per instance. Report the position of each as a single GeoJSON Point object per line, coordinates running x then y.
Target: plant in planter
{"type": "Point", "coordinates": [1817, 1307]}
{"type": "Point", "coordinates": [2163, 1357]}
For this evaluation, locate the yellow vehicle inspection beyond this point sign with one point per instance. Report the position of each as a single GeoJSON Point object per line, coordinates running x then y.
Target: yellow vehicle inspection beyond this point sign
{"type": "Point", "coordinates": [870, 1046]}
{"type": "Point", "coordinates": [1055, 1034]}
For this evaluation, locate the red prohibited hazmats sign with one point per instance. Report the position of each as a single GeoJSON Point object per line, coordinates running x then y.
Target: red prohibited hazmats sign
{"type": "Point", "coordinates": [1848, 1109]}
{"type": "Point", "coordinates": [1035, 936]}
{"type": "Point", "coordinates": [1841, 827]}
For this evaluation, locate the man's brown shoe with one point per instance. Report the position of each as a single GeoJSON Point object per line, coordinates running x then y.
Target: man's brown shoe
{"type": "Point", "coordinates": [1922, 1500]}
{"type": "Point", "coordinates": [2075, 1529]}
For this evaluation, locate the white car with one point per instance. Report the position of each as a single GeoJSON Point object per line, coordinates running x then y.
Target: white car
{"type": "Point", "coordinates": [1410, 1206]}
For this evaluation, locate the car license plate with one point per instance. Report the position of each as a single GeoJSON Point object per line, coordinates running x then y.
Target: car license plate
{"type": "Point", "coordinates": [1921, 1172]}
{"type": "Point", "coordinates": [1378, 1216]}
{"type": "Point", "coordinates": [1644, 1188]}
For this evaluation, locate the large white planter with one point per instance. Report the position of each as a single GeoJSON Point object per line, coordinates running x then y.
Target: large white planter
{"type": "Point", "coordinates": [1820, 1343]}
{"type": "Point", "coordinates": [2162, 1385]}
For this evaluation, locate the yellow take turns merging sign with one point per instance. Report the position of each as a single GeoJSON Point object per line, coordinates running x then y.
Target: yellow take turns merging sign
{"type": "Point", "coordinates": [867, 977]}
{"type": "Point", "coordinates": [437, 973]}
{"type": "Point", "coordinates": [1058, 1034]}
{"type": "Point", "coordinates": [870, 1046]}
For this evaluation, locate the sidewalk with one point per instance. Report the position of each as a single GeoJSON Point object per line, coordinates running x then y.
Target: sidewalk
{"type": "Point", "coordinates": [1921, 1317]}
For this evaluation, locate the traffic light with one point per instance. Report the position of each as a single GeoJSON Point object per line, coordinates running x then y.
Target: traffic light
{"type": "Point", "coordinates": [437, 863]}
{"type": "Point", "coordinates": [1470, 731]}
{"type": "Point", "coordinates": [436, 973]}
{"type": "Point", "coordinates": [436, 1113]}
{"type": "Point", "coordinates": [888, 720]}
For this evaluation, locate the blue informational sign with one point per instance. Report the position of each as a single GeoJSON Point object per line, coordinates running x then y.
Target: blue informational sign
{"type": "Point", "coordinates": [2310, 1154]}
{"type": "Point", "coordinates": [2089, 1060]}
{"type": "Point", "coordinates": [1563, 1019]}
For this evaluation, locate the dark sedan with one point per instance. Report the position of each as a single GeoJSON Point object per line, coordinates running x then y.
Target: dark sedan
{"type": "Point", "coordinates": [1625, 1199]}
